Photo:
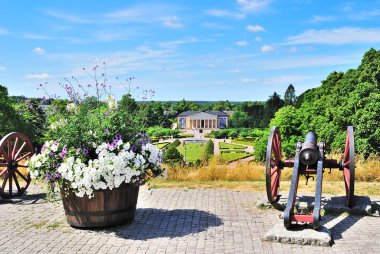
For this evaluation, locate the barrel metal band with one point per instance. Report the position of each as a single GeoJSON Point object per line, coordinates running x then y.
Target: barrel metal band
{"type": "Point", "coordinates": [101, 213]}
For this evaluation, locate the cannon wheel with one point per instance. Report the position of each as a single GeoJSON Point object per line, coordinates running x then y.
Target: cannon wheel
{"type": "Point", "coordinates": [273, 165]}
{"type": "Point", "coordinates": [349, 166]}
{"type": "Point", "coordinates": [15, 150]}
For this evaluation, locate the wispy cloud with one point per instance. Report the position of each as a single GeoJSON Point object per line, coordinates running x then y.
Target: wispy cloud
{"type": "Point", "coordinates": [2, 68]}
{"type": "Point", "coordinates": [266, 49]}
{"type": "Point", "coordinates": [241, 43]}
{"type": "Point", "coordinates": [174, 44]}
{"type": "Point", "coordinates": [339, 36]}
{"type": "Point", "coordinates": [67, 17]}
{"type": "Point", "coordinates": [255, 28]}
{"type": "Point", "coordinates": [257, 38]}
{"type": "Point", "coordinates": [3, 31]}
{"type": "Point", "coordinates": [38, 76]}
{"type": "Point", "coordinates": [318, 19]}
{"type": "Point", "coordinates": [115, 35]}
{"type": "Point", "coordinates": [366, 15]}
{"type": "Point", "coordinates": [278, 80]}
{"type": "Point", "coordinates": [33, 36]}
{"type": "Point", "coordinates": [253, 5]}
{"type": "Point", "coordinates": [225, 14]}
{"type": "Point", "coordinates": [39, 51]}
{"type": "Point", "coordinates": [171, 22]}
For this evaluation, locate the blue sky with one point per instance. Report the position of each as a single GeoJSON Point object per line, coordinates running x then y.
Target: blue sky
{"type": "Point", "coordinates": [235, 50]}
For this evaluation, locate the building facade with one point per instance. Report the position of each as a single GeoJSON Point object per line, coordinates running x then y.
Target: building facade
{"type": "Point", "coordinates": [203, 120]}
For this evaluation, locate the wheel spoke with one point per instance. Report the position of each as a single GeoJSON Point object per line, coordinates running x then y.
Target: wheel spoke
{"type": "Point", "coordinates": [24, 156]}
{"type": "Point", "coordinates": [14, 148]}
{"type": "Point", "coordinates": [274, 170]}
{"type": "Point", "coordinates": [274, 185]}
{"type": "Point", "coordinates": [274, 149]}
{"type": "Point", "coordinates": [21, 175]}
{"type": "Point", "coordinates": [346, 148]}
{"type": "Point", "coordinates": [16, 182]}
{"type": "Point", "coordinates": [347, 164]}
{"type": "Point", "coordinates": [3, 164]}
{"type": "Point", "coordinates": [3, 172]}
{"type": "Point", "coordinates": [22, 166]}
{"type": "Point", "coordinates": [9, 148]}
{"type": "Point", "coordinates": [19, 151]}
{"type": "Point", "coordinates": [5, 182]}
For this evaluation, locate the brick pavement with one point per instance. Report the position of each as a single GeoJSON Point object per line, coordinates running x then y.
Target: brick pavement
{"type": "Point", "coordinates": [173, 221]}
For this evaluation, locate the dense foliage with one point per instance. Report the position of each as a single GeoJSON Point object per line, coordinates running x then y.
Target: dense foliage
{"type": "Point", "coordinates": [208, 152]}
{"type": "Point", "coordinates": [343, 99]}
{"type": "Point", "coordinates": [161, 132]}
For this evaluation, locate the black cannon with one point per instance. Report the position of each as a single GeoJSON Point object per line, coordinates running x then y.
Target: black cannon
{"type": "Point", "coordinates": [309, 160]}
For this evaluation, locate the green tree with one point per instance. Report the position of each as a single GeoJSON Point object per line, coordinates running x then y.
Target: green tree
{"type": "Point", "coordinates": [290, 95]}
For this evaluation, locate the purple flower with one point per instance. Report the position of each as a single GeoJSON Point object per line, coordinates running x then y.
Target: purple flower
{"type": "Point", "coordinates": [48, 176]}
{"type": "Point", "coordinates": [117, 137]}
{"type": "Point", "coordinates": [42, 148]}
{"type": "Point", "coordinates": [52, 185]}
{"type": "Point", "coordinates": [134, 148]}
{"type": "Point", "coordinates": [57, 176]}
{"type": "Point", "coordinates": [63, 153]}
{"type": "Point", "coordinates": [85, 151]}
{"type": "Point", "coordinates": [78, 149]}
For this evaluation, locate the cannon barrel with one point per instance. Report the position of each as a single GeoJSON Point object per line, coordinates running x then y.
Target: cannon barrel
{"type": "Point", "coordinates": [309, 153]}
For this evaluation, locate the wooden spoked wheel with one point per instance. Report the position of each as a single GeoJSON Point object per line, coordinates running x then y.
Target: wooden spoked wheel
{"type": "Point", "coordinates": [15, 150]}
{"type": "Point", "coordinates": [349, 166]}
{"type": "Point", "coordinates": [273, 165]}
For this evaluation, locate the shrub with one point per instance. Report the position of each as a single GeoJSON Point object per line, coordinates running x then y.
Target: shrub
{"type": "Point", "coordinates": [172, 155]}
{"type": "Point", "coordinates": [174, 144]}
{"type": "Point", "coordinates": [209, 151]}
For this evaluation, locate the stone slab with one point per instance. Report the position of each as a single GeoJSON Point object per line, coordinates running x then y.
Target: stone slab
{"type": "Point", "coordinates": [300, 234]}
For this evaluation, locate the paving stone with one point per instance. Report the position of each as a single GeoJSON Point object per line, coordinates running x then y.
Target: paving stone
{"type": "Point", "coordinates": [174, 221]}
{"type": "Point", "coordinates": [299, 235]}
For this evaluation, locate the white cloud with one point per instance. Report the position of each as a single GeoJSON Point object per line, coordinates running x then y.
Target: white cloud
{"type": "Point", "coordinates": [266, 49]}
{"type": "Point", "coordinates": [3, 31]}
{"type": "Point", "coordinates": [253, 5]}
{"type": "Point", "coordinates": [257, 38]}
{"type": "Point", "coordinates": [38, 76]}
{"type": "Point", "coordinates": [242, 43]}
{"type": "Point", "coordinates": [293, 49]}
{"type": "Point", "coordinates": [255, 28]}
{"type": "Point", "coordinates": [39, 51]}
{"type": "Point", "coordinates": [225, 14]}
{"type": "Point", "coordinates": [235, 71]}
{"type": "Point", "coordinates": [318, 19]}
{"type": "Point", "coordinates": [174, 44]}
{"type": "Point", "coordinates": [279, 80]}
{"type": "Point", "coordinates": [33, 36]}
{"type": "Point", "coordinates": [171, 22]}
{"type": "Point", "coordinates": [67, 17]}
{"type": "Point", "coordinates": [249, 80]}
{"type": "Point", "coordinates": [2, 68]}
{"type": "Point", "coordinates": [339, 36]}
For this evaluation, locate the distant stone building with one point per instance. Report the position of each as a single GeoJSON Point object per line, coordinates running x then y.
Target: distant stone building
{"type": "Point", "coordinates": [210, 120]}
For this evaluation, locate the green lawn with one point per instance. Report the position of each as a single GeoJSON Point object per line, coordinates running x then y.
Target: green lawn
{"type": "Point", "coordinates": [243, 142]}
{"type": "Point", "coordinates": [223, 145]}
{"type": "Point", "coordinates": [194, 151]}
{"type": "Point", "coordinates": [234, 155]}
{"type": "Point", "coordinates": [162, 145]}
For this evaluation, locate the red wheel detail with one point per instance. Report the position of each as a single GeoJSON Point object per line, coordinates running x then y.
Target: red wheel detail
{"type": "Point", "coordinates": [15, 150]}
{"type": "Point", "coordinates": [349, 166]}
{"type": "Point", "coordinates": [272, 165]}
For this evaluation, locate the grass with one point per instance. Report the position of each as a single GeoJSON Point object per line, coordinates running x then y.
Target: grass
{"type": "Point", "coordinates": [194, 151]}
{"type": "Point", "coordinates": [242, 142]}
{"type": "Point", "coordinates": [251, 177]}
{"type": "Point", "coordinates": [223, 145]}
{"type": "Point", "coordinates": [162, 145]}
{"type": "Point", "coordinates": [234, 155]}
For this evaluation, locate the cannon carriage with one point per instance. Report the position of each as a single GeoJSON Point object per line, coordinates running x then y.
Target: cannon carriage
{"type": "Point", "coordinates": [15, 151]}
{"type": "Point", "coordinates": [309, 160]}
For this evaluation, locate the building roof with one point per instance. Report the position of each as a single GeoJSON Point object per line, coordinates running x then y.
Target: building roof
{"type": "Point", "coordinates": [212, 112]}
{"type": "Point", "coordinates": [216, 112]}
{"type": "Point", "coordinates": [189, 113]}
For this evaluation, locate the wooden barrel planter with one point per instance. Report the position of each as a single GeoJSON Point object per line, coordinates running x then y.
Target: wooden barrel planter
{"type": "Point", "coordinates": [106, 208]}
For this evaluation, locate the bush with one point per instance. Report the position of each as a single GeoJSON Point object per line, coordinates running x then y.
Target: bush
{"type": "Point", "coordinates": [172, 156]}
{"type": "Point", "coordinates": [161, 132]}
{"type": "Point", "coordinates": [174, 144]}
{"type": "Point", "coordinates": [209, 151]}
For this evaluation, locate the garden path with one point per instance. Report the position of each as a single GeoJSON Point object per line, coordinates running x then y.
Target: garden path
{"type": "Point", "coordinates": [173, 221]}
